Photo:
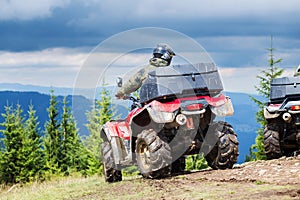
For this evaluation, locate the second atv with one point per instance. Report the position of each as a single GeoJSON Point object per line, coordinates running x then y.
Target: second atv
{"type": "Point", "coordinates": [282, 133]}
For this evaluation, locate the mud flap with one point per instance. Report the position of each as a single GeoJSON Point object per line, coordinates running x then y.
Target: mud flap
{"type": "Point", "coordinates": [118, 149]}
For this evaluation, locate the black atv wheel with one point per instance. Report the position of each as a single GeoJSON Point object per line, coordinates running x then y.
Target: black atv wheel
{"type": "Point", "coordinates": [225, 153]}
{"type": "Point", "coordinates": [111, 173]}
{"type": "Point", "coordinates": [153, 155]}
{"type": "Point", "coordinates": [272, 143]}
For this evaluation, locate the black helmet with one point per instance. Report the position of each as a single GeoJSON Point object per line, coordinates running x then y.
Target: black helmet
{"type": "Point", "coordinates": [164, 52]}
{"type": "Point", "coordinates": [297, 73]}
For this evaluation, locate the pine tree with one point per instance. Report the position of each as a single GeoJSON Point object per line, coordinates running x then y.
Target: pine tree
{"type": "Point", "coordinates": [67, 137]}
{"type": "Point", "coordinates": [257, 151]}
{"type": "Point", "coordinates": [85, 162]}
{"type": "Point", "coordinates": [22, 154]}
{"type": "Point", "coordinates": [33, 153]}
{"type": "Point", "coordinates": [52, 137]}
{"type": "Point", "coordinates": [11, 163]}
{"type": "Point", "coordinates": [105, 108]}
{"type": "Point", "coordinates": [100, 114]}
{"type": "Point", "coordinates": [74, 155]}
{"type": "Point", "coordinates": [71, 146]}
{"type": "Point", "coordinates": [7, 166]}
{"type": "Point", "coordinates": [82, 159]}
{"type": "Point", "coordinates": [74, 146]}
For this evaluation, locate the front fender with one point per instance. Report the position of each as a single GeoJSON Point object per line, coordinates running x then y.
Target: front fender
{"type": "Point", "coordinates": [117, 145]}
{"type": "Point", "coordinates": [104, 133]}
{"type": "Point", "coordinates": [223, 110]}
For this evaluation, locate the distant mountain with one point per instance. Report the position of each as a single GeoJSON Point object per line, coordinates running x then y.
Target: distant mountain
{"type": "Point", "coordinates": [89, 93]}
{"type": "Point", "coordinates": [33, 88]}
{"type": "Point", "coordinates": [243, 120]}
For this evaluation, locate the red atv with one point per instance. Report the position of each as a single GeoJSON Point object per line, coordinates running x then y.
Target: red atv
{"type": "Point", "coordinates": [173, 118]}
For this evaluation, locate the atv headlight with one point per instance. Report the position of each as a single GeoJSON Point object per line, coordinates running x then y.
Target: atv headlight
{"type": "Point", "coordinates": [161, 117]}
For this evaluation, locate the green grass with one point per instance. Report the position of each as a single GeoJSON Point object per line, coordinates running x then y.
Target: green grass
{"type": "Point", "coordinates": [62, 188]}
{"type": "Point", "coordinates": [259, 182]}
{"type": "Point", "coordinates": [77, 188]}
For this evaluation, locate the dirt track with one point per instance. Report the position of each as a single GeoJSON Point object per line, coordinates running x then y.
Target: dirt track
{"type": "Point", "coordinates": [281, 171]}
{"type": "Point", "coordinates": [274, 179]}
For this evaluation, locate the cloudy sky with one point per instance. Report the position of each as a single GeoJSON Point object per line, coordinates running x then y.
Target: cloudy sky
{"type": "Point", "coordinates": [47, 42]}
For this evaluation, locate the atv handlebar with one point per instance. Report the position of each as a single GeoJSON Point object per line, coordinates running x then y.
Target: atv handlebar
{"type": "Point", "coordinates": [135, 102]}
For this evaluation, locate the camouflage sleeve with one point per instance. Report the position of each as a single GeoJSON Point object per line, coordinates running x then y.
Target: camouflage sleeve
{"type": "Point", "coordinates": [134, 83]}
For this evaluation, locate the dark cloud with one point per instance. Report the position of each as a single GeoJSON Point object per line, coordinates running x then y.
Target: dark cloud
{"type": "Point", "coordinates": [236, 34]}
{"type": "Point", "coordinates": [87, 23]}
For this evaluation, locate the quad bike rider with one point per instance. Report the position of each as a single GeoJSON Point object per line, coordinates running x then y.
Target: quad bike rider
{"type": "Point", "coordinates": [173, 118]}
{"type": "Point", "coordinates": [162, 57]}
{"type": "Point", "coordinates": [282, 112]}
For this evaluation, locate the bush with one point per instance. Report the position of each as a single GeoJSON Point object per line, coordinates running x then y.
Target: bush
{"type": "Point", "coordinates": [196, 162]}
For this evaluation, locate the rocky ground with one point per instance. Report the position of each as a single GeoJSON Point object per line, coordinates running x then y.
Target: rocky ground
{"type": "Point", "coordinates": [281, 171]}
{"type": "Point", "coordinates": [273, 179]}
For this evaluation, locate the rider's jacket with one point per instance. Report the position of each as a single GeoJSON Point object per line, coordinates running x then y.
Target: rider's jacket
{"type": "Point", "coordinates": [136, 81]}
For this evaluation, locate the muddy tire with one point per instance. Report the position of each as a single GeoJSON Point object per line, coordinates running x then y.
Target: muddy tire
{"type": "Point", "coordinates": [272, 143]}
{"type": "Point", "coordinates": [153, 155]}
{"type": "Point", "coordinates": [225, 153]}
{"type": "Point", "coordinates": [111, 173]}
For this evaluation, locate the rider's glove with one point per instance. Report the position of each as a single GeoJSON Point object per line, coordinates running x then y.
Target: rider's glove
{"type": "Point", "coordinates": [120, 96]}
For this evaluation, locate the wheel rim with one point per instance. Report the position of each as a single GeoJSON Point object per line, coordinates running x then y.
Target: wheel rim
{"type": "Point", "coordinates": [144, 156]}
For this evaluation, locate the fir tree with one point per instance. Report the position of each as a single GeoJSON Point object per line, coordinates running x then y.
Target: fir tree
{"type": "Point", "coordinates": [22, 154]}
{"type": "Point", "coordinates": [11, 163]}
{"type": "Point", "coordinates": [52, 138]}
{"type": "Point", "coordinates": [100, 114]}
{"type": "Point", "coordinates": [82, 160]}
{"type": "Point", "coordinates": [71, 146]}
{"type": "Point", "coordinates": [257, 151]}
{"type": "Point", "coordinates": [86, 162]}
{"type": "Point", "coordinates": [75, 157]}
{"type": "Point", "coordinates": [75, 146]}
{"type": "Point", "coordinates": [67, 136]}
{"type": "Point", "coordinates": [34, 156]}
